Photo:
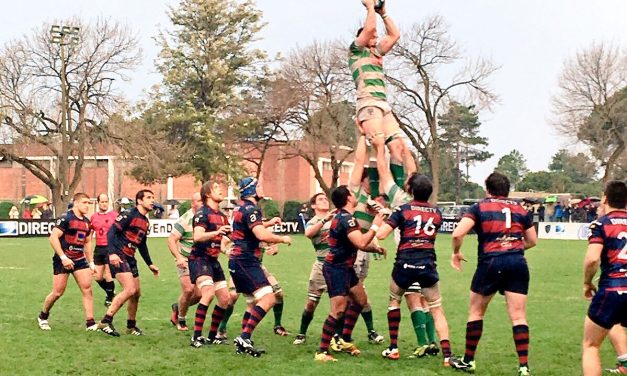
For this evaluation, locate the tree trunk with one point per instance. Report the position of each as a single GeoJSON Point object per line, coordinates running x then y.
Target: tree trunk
{"type": "Point", "coordinates": [609, 167]}
{"type": "Point", "coordinates": [59, 204]}
{"type": "Point", "coordinates": [434, 162]}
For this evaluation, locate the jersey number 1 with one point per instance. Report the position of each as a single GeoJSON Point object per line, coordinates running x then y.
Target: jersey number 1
{"type": "Point", "coordinates": [508, 217]}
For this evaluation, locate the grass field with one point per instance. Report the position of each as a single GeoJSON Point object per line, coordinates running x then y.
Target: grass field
{"type": "Point", "coordinates": [556, 313]}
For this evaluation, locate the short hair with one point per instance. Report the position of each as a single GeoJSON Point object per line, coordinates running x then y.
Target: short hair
{"type": "Point", "coordinates": [359, 31]}
{"type": "Point", "coordinates": [102, 194]}
{"type": "Point", "coordinates": [140, 195]}
{"type": "Point", "coordinates": [339, 196]}
{"type": "Point", "coordinates": [616, 194]}
{"type": "Point", "coordinates": [419, 186]}
{"type": "Point", "coordinates": [497, 184]}
{"type": "Point", "coordinates": [79, 196]}
{"type": "Point", "coordinates": [206, 190]}
{"type": "Point", "coordinates": [312, 200]}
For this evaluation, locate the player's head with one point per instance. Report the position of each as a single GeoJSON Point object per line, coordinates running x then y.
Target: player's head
{"type": "Point", "coordinates": [319, 202]}
{"type": "Point", "coordinates": [342, 197]}
{"type": "Point", "coordinates": [249, 188]}
{"type": "Point", "coordinates": [80, 203]}
{"type": "Point", "coordinates": [146, 199]}
{"type": "Point", "coordinates": [372, 42]}
{"type": "Point", "coordinates": [497, 185]}
{"type": "Point", "coordinates": [196, 201]}
{"type": "Point", "coordinates": [615, 194]}
{"type": "Point", "coordinates": [419, 186]}
{"type": "Point", "coordinates": [103, 202]}
{"type": "Point", "coordinates": [211, 191]}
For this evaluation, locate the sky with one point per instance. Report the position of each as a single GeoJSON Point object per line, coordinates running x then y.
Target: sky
{"type": "Point", "coordinates": [530, 40]}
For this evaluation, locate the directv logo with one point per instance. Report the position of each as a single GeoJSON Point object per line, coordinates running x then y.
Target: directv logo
{"type": "Point", "coordinates": [8, 228]}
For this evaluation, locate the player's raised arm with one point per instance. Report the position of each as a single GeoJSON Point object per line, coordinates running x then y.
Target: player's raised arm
{"type": "Point", "coordinates": [361, 158]}
{"type": "Point", "coordinates": [392, 36]}
{"type": "Point", "coordinates": [369, 30]}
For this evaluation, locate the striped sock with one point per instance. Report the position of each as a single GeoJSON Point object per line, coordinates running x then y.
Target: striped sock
{"type": "Point", "coordinates": [225, 320]}
{"type": "Point", "coordinates": [256, 316]}
{"type": "Point", "coordinates": [201, 313]}
{"type": "Point", "coordinates": [521, 339]}
{"type": "Point", "coordinates": [245, 319]}
{"type": "Point", "coordinates": [328, 329]}
{"type": "Point", "coordinates": [216, 318]}
{"type": "Point", "coordinates": [474, 329]}
{"type": "Point", "coordinates": [349, 321]}
{"type": "Point", "coordinates": [394, 320]}
{"type": "Point", "coordinates": [446, 348]}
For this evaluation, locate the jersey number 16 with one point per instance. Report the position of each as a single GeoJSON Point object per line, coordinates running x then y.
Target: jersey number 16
{"type": "Point", "coordinates": [429, 227]}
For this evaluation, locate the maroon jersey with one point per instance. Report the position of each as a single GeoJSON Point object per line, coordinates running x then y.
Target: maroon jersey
{"type": "Point", "coordinates": [100, 225]}
{"type": "Point", "coordinates": [246, 246]}
{"type": "Point", "coordinates": [210, 220]}
{"type": "Point", "coordinates": [75, 232]}
{"type": "Point", "coordinates": [611, 231]}
{"type": "Point", "coordinates": [418, 223]}
{"type": "Point", "coordinates": [342, 251]}
{"type": "Point", "coordinates": [128, 232]}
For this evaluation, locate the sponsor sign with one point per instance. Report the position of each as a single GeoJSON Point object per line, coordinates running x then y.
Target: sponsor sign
{"type": "Point", "coordinates": [563, 230]}
{"type": "Point", "coordinates": [449, 225]}
{"type": "Point", "coordinates": [291, 227]}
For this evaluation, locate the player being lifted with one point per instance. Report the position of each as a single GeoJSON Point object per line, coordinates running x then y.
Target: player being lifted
{"type": "Point", "coordinates": [345, 238]}
{"type": "Point", "coordinates": [504, 230]}
{"type": "Point", "coordinates": [125, 237]}
{"type": "Point", "coordinates": [180, 244]}
{"type": "Point", "coordinates": [244, 260]}
{"type": "Point", "coordinates": [317, 229]}
{"type": "Point", "coordinates": [607, 248]}
{"type": "Point", "coordinates": [101, 222]}
{"type": "Point", "coordinates": [374, 114]}
{"type": "Point", "coordinates": [418, 222]}
{"type": "Point", "coordinates": [70, 240]}
{"type": "Point", "coordinates": [210, 227]}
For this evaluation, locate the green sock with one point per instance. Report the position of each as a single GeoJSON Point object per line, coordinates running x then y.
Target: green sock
{"type": "Point", "coordinates": [373, 176]}
{"type": "Point", "coordinates": [430, 327]}
{"type": "Point", "coordinates": [305, 321]}
{"type": "Point", "coordinates": [419, 320]}
{"type": "Point", "coordinates": [367, 315]}
{"type": "Point", "coordinates": [225, 318]}
{"type": "Point", "coordinates": [278, 313]}
{"type": "Point", "coordinates": [398, 173]}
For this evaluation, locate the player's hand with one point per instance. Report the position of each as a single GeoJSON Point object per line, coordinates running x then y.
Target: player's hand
{"type": "Point", "coordinates": [368, 3]}
{"type": "Point", "coordinates": [377, 140]}
{"type": "Point", "coordinates": [181, 262]}
{"type": "Point", "coordinates": [330, 216]}
{"type": "Point", "coordinates": [272, 249]}
{"type": "Point", "coordinates": [67, 263]}
{"type": "Point", "coordinates": [456, 261]}
{"type": "Point", "coordinates": [224, 230]}
{"type": "Point", "coordinates": [154, 269]}
{"type": "Point", "coordinates": [114, 260]}
{"type": "Point", "coordinates": [589, 289]}
{"type": "Point", "coordinates": [383, 252]}
{"type": "Point", "coordinates": [381, 10]}
{"type": "Point", "coordinates": [286, 240]}
{"type": "Point", "coordinates": [274, 221]}
{"type": "Point", "coordinates": [378, 219]}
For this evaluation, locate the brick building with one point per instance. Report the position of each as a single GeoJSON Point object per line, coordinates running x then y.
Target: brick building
{"type": "Point", "coordinates": [281, 178]}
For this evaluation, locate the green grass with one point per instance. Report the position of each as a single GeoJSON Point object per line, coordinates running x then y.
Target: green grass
{"type": "Point", "coordinates": [556, 313]}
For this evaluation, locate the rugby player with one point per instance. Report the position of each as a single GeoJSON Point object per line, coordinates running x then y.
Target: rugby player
{"type": "Point", "coordinates": [126, 236]}
{"type": "Point", "coordinates": [504, 231]}
{"type": "Point", "coordinates": [607, 248]}
{"type": "Point", "coordinates": [317, 229]}
{"type": "Point", "coordinates": [210, 228]}
{"type": "Point", "coordinates": [345, 238]}
{"type": "Point", "coordinates": [180, 244]}
{"type": "Point", "coordinates": [374, 114]}
{"type": "Point", "coordinates": [244, 260]}
{"type": "Point", "coordinates": [101, 222]}
{"type": "Point", "coordinates": [71, 240]}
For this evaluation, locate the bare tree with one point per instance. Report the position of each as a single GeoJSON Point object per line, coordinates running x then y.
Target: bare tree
{"type": "Point", "coordinates": [315, 83]}
{"type": "Point", "coordinates": [422, 91]}
{"type": "Point", "coordinates": [591, 106]}
{"type": "Point", "coordinates": [54, 94]}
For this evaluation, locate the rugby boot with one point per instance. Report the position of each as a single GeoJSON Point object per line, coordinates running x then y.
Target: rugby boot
{"type": "Point", "coordinates": [461, 365]}
{"type": "Point", "coordinates": [43, 324]}
{"type": "Point", "coordinates": [524, 371]}
{"type": "Point", "coordinates": [349, 348]}
{"type": "Point", "coordinates": [324, 357]}
{"type": "Point", "coordinates": [374, 337]}
{"type": "Point", "coordinates": [433, 349]}
{"type": "Point", "coordinates": [135, 331]}
{"type": "Point", "coordinates": [420, 351]}
{"type": "Point", "coordinates": [108, 329]}
{"type": "Point", "coordinates": [198, 342]}
{"type": "Point", "coordinates": [174, 316]}
{"type": "Point", "coordinates": [300, 339]}
{"type": "Point", "coordinates": [281, 331]}
{"type": "Point", "coordinates": [391, 353]}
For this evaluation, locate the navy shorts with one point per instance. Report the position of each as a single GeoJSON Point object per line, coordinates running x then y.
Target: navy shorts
{"type": "Point", "coordinates": [209, 266]}
{"type": "Point", "coordinates": [128, 264]}
{"type": "Point", "coordinates": [501, 273]}
{"type": "Point", "coordinates": [608, 308]}
{"type": "Point", "coordinates": [101, 255]}
{"type": "Point", "coordinates": [57, 265]}
{"type": "Point", "coordinates": [248, 276]}
{"type": "Point", "coordinates": [339, 279]}
{"type": "Point", "coordinates": [424, 272]}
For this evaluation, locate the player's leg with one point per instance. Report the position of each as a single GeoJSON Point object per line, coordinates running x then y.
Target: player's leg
{"type": "Point", "coordinates": [205, 284]}
{"type": "Point", "coordinates": [358, 298]}
{"type": "Point", "coordinates": [329, 328]}
{"type": "Point", "coordinates": [223, 300]}
{"type": "Point", "coordinates": [59, 283]}
{"type": "Point", "coordinates": [394, 320]}
{"type": "Point", "coordinates": [516, 308]}
{"type": "Point", "coordinates": [430, 323]}
{"type": "Point", "coordinates": [434, 300]}
{"type": "Point", "coordinates": [189, 296]}
{"type": "Point", "coordinates": [397, 147]}
{"type": "Point", "coordinates": [129, 288]}
{"type": "Point", "coordinates": [233, 296]}
{"type": "Point", "coordinates": [418, 318]}
{"type": "Point", "coordinates": [83, 280]}
{"type": "Point", "coordinates": [593, 336]}
{"type": "Point", "coordinates": [316, 287]}
{"type": "Point", "coordinates": [277, 309]}
{"type": "Point", "coordinates": [619, 342]}
{"type": "Point", "coordinates": [474, 329]}
{"type": "Point", "coordinates": [102, 274]}
{"type": "Point", "coordinates": [132, 307]}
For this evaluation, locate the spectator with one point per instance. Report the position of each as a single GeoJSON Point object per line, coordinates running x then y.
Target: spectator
{"type": "Point", "coordinates": [36, 214]}
{"type": "Point", "coordinates": [174, 213]}
{"type": "Point", "coordinates": [591, 213]}
{"type": "Point", "coordinates": [14, 213]}
{"type": "Point", "coordinates": [559, 212]}
{"type": "Point", "coordinates": [566, 215]}
{"type": "Point", "coordinates": [46, 213]}
{"type": "Point", "coordinates": [541, 210]}
{"type": "Point", "coordinates": [26, 214]}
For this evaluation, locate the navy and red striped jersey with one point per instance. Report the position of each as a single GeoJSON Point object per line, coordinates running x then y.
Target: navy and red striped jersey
{"type": "Point", "coordinates": [210, 220]}
{"type": "Point", "coordinates": [75, 231]}
{"type": "Point", "coordinates": [611, 231]}
{"type": "Point", "coordinates": [500, 225]}
{"type": "Point", "coordinates": [245, 244]}
{"type": "Point", "coordinates": [129, 231]}
{"type": "Point", "coordinates": [342, 250]}
{"type": "Point", "coordinates": [418, 223]}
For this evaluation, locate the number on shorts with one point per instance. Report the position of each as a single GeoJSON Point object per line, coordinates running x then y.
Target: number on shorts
{"type": "Point", "coordinates": [508, 217]}
{"type": "Point", "coordinates": [622, 255]}
{"type": "Point", "coordinates": [429, 227]}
